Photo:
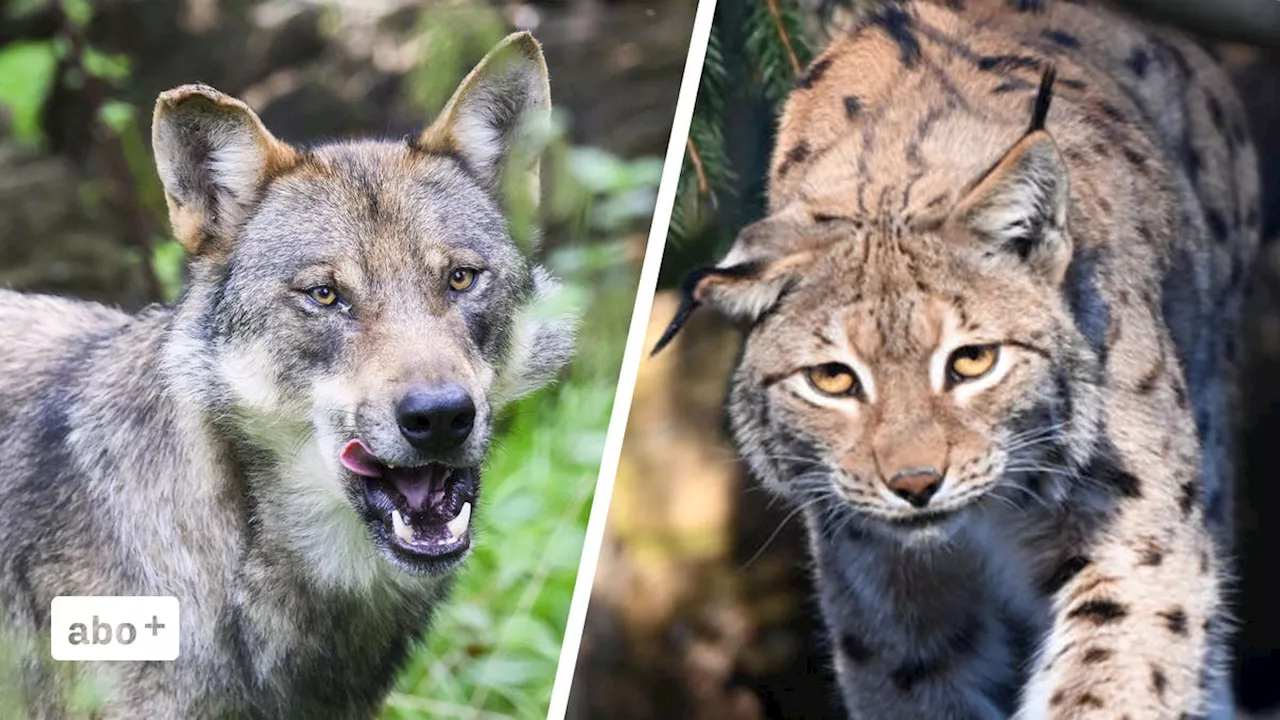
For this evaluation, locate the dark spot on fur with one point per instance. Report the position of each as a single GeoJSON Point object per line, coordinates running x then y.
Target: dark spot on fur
{"type": "Point", "coordinates": [906, 676]}
{"type": "Point", "coordinates": [1007, 62]}
{"type": "Point", "coordinates": [1149, 381]}
{"type": "Point", "coordinates": [1095, 655]}
{"type": "Point", "coordinates": [1027, 5]}
{"type": "Point", "coordinates": [852, 106]}
{"type": "Point", "coordinates": [1089, 700]}
{"type": "Point", "coordinates": [1064, 573]}
{"type": "Point", "coordinates": [1135, 158]}
{"type": "Point", "coordinates": [1126, 484]}
{"type": "Point", "coordinates": [956, 4]}
{"type": "Point", "coordinates": [1007, 87]}
{"type": "Point", "coordinates": [1176, 620]}
{"type": "Point", "coordinates": [797, 154]}
{"type": "Point", "coordinates": [814, 73]}
{"type": "Point", "coordinates": [1056, 698]}
{"type": "Point", "coordinates": [1139, 61]}
{"type": "Point", "coordinates": [1191, 158]}
{"type": "Point", "coordinates": [824, 217]}
{"type": "Point", "coordinates": [1217, 225]}
{"type": "Point", "coordinates": [1216, 115]}
{"type": "Point", "coordinates": [1152, 555]}
{"type": "Point", "coordinates": [1188, 493]}
{"type": "Point", "coordinates": [1084, 296]}
{"type": "Point", "coordinates": [1062, 37]}
{"type": "Point", "coordinates": [1099, 611]}
{"type": "Point", "coordinates": [1073, 83]}
{"type": "Point", "coordinates": [897, 24]}
{"type": "Point", "coordinates": [854, 648]}
{"type": "Point", "coordinates": [1112, 112]}
{"type": "Point", "coordinates": [1178, 58]}
{"type": "Point", "coordinates": [1158, 681]}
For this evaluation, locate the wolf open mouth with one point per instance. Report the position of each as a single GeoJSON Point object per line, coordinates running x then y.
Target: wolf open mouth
{"type": "Point", "coordinates": [424, 512]}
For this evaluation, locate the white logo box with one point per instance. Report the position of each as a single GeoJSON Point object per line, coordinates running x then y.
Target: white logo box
{"type": "Point", "coordinates": [87, 628]}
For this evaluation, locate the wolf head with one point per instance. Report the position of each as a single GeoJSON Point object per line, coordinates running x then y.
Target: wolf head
{"type": "Point", "coordinates": [362, 304]}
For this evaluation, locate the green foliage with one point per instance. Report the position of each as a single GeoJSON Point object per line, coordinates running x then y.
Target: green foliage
{"type": "Point", "coordinates": [26, 77]}
{"type": "Point", "coordinates": [706, 174]}
{"type": "Point", "coordinates": [454, 35]}
{"type": "Point", "coordinates": [777, 46]}
{"type": "Point", "coordinates": [167, 260]}
{"type": "Point", "coordinates": [766, 58]}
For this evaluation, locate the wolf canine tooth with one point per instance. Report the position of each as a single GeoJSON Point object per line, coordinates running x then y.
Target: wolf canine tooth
{"type": "Point", "coordinates": [458, 525]}
{"type": "Point", "coordinates": [402, 528]}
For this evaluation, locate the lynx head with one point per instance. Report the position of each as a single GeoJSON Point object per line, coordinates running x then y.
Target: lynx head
{"type": "Point", "coordinates": [909, 369]}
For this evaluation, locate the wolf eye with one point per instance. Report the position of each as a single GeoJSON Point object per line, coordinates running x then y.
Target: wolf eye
{"type": "Point", "coordinates": [833, 379]}
{"type": "Point", "coordinates": [462, 279]}
{"type": "Point", "coordinates": [323, 294]}
{"type": "Point", "coordinates": [972, 362]}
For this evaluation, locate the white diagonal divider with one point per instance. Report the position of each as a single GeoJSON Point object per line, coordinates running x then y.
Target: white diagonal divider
{"type": "Point", "coordinates": [631, 359]}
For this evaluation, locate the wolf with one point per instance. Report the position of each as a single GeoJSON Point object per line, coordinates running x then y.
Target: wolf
{"type": "Point", "coordinates": [294, 449]}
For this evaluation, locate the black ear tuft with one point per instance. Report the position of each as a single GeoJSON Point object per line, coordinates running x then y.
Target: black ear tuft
{"type": "Point", "coordinates": [1043, 98]}
{"type": "Point", "coordinates": [690, 299]}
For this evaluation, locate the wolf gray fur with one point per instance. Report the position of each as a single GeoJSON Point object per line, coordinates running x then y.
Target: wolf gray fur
{"type": "Point", "coordinates": [294, 450]}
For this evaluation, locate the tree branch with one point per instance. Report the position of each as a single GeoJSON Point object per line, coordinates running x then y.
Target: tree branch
{"type": "Point", "coordinates": [699, 171]}
{"type": "Point", "coordinates": [782, 35]}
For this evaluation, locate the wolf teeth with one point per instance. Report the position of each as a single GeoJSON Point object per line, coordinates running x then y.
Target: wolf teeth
{"type": "Point", "coordinates": [402, 528]}
{"type": "Point", "coordinates": [458, 525]}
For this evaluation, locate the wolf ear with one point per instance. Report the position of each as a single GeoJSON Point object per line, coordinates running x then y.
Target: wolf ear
{"type": "Point", "coordinates": [505, 100]}
{"type": "Point", "coordinates": [213, 154]}
{"type": "Point", "coordinates": [764, 261]}
{"type": "Point", "coordinates": [1019, 208]}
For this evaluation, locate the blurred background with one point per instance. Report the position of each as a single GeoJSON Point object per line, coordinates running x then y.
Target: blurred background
{"type": "Point", "coordinates": [82, 214]}
{"type": "Point", "coordinates": [702, 601]}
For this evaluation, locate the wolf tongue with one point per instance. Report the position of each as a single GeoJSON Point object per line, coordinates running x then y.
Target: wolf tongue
{"type": "Point", "coordinates": [420, 486]}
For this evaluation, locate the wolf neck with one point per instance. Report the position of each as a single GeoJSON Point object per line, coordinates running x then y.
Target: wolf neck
{"type": "Point", "coordinates": [299, 552]}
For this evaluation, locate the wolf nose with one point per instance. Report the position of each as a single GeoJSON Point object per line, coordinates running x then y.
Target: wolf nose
{"type": "Point", "coordinates": [915, 486]}
{"type": "Point", "coordinates": [436, 418]}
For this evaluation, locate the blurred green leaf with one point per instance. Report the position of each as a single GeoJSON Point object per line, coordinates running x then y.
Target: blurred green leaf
{"type": "Point", "coordinates": [166, 263]}
{"type": "Point", "coordinates": [79, 12]}
{"type": "Point", "coordinates": [117, 116]}
{"type": "Point", "coordinates": [113, 68]}
{"type": "Point", "coordinates": [26, 77]}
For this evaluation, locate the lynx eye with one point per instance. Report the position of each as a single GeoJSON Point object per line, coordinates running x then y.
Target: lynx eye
{"type": "Point", "coordinates": [833, 379]}
{"type": "Point", "coordinates": [972, 362]}
{"type": "Point", "coordinates": [462, 279]}
{"type": "Point", "coordinates": [323, 295]}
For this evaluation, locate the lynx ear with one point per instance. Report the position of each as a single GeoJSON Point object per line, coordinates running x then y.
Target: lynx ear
{"type": "Point", "coordinates": [752, 278]}
{"type": "Point", "coordinates": [504, 101]}
{"type": "Point", "coordinates": [213, 154]}
{"type": "Point", "coordinates": [1020, 207]}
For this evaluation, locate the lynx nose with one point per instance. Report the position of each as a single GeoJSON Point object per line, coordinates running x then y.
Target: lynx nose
{"type": "Point", "coordinates": [915, 486]}
{"type": "Point", "coordinates": [436, 418]}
